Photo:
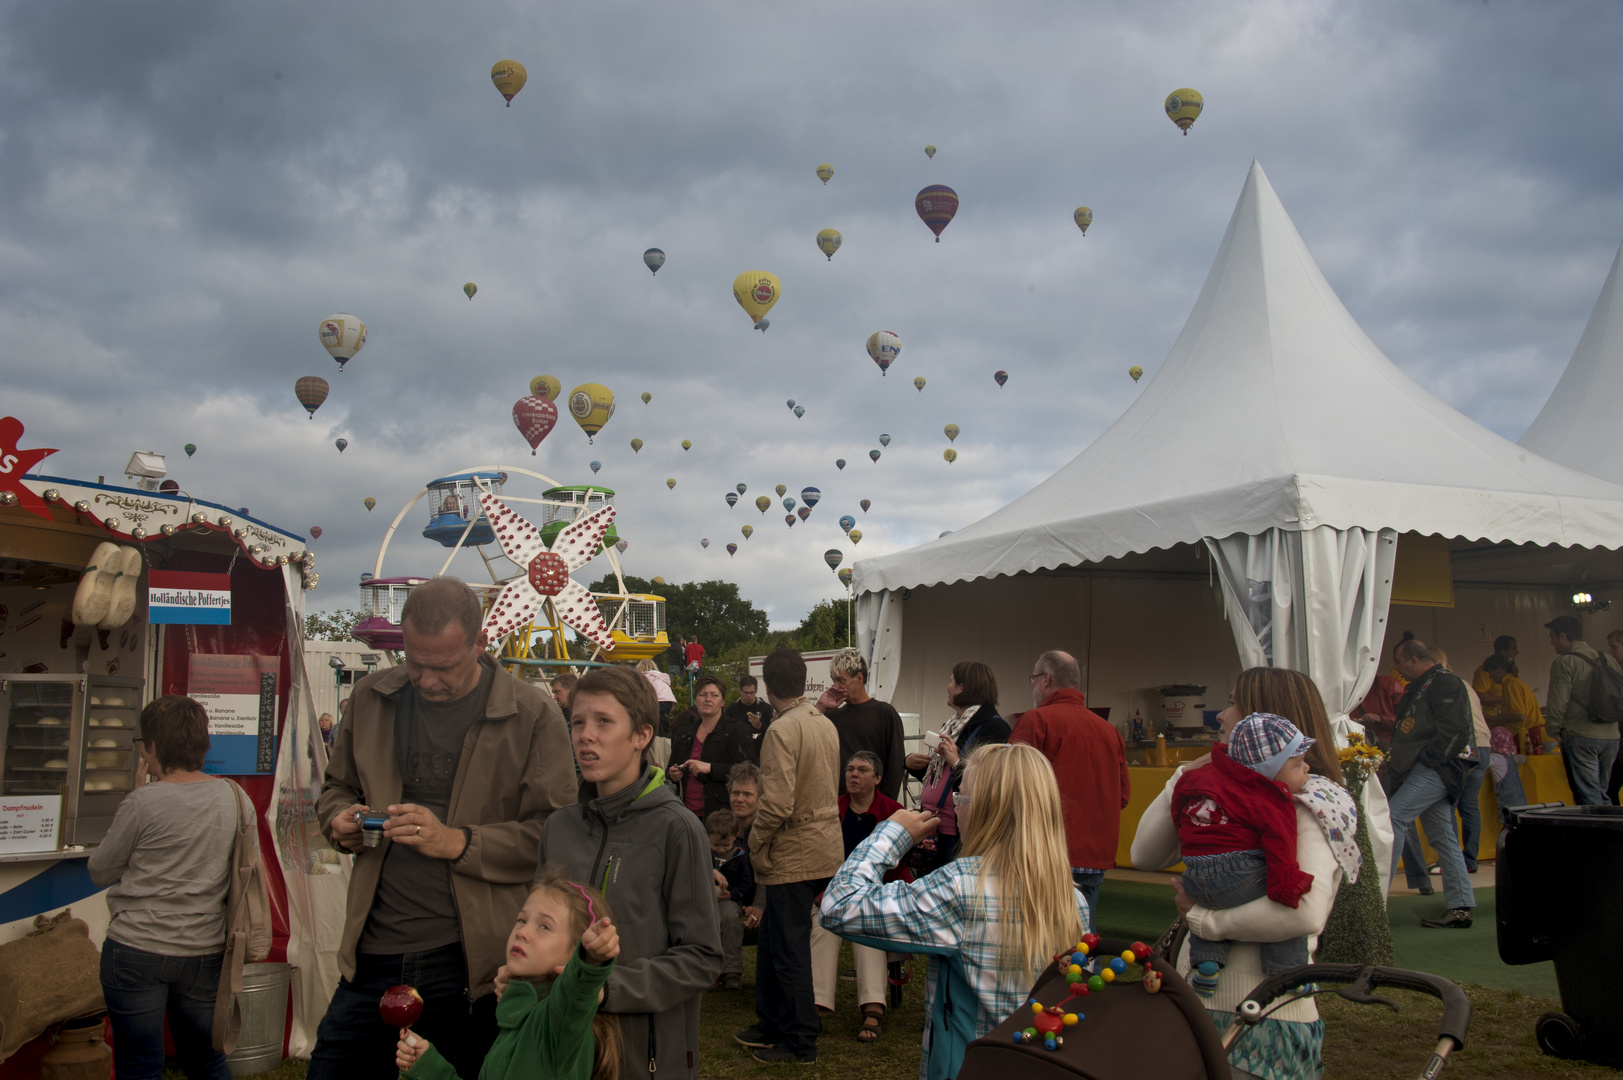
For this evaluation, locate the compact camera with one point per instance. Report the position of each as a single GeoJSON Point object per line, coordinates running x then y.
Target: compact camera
{"type": "Point", "coordinates": [371, 827]}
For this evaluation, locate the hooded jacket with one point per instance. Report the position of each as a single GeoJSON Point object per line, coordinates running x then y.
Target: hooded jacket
{"type": "Point", "coordinates": [651, 859]}
{"type": "Point", "coordinates": [1228, 807]}
{"type": "Point", "coordinates": [516, 768]}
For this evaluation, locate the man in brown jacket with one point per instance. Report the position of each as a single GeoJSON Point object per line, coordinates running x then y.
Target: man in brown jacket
{"type": "Point", "coordinates": [795, 847]}
{"type": "Point", "coordinates": [453, 766]}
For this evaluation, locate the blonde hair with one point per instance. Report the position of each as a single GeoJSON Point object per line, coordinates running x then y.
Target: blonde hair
{"type": "Point", "coordinates": [1017, 828]}
{"type": "Point", "coordinates": [645, 664]}
{"type": "Point", "coordinates": [585, 904]}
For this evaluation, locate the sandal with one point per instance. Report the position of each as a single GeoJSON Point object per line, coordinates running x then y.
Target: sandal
{"type": "Point", "coordinates": [873, 1025]}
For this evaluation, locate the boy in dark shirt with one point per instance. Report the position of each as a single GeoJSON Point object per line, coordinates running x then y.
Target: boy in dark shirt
{"type": "Point", "coordinates": [752, 711]}
{"type": "Point", "coordinates": [735, 887]}
{"type": "Point", "coordinates": [864, 722]}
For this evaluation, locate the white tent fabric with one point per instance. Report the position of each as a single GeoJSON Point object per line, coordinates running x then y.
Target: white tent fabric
{"type": "Point", "coordinates": [879, 637]}
{"type": "Point", "coordinates": [1273, 410]}
{"type": "Point", "coordinates": [1578, 425]}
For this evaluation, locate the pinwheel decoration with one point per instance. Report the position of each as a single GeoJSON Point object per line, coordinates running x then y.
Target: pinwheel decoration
{"type": "Point", "coordinates": [546, 573]}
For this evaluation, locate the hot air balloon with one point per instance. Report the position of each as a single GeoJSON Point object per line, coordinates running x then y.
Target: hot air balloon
{"type": "Point", "coordinates": [1084, 218]}
{"type": "Point", "coordinates": [865, 503]}
{"type": "Point", "coordinates": [834, 557]}
{"type": "Point", "coordinates": [873, 455]}
{"type": "Point", "coordinates": [918, 383]}
{"type": "Point", "coordinates": [591, 405]}
{"type": "Point", "coordinates": [825, 172]}
{"type": "Point", "coordinates": [848, 523]}
{"type": "Point", "coordinates": [845, 577]}
{"type": "Point", "coordinates": [789, 503]}
{"type": "Point", "coordinates": [342, 336]}
{"type": "Point", "coordinates": [470, 288]}
{"type": "Point", "coordinates": [781, 488]}
{"type": "Point", "coordinates": [1000, 377]}
{"type": "Point", "coordinates": [748, 531]}
{"type": "Point", "coordinates": [732, 498]}
{"type": "Point", "coordinates": [790, 404]}
{"type": "Point", "coordinates": [509, 77]}
{"type": "Point", "coordinates": [732, 549]}
{"type": "Point", "coordinates": [653, 258]}
{"type": "Point", "coordinates": [762, 503]}
{"type": "Point", "coordinates": [803, 513]}
{"type": "Point", "coordinates": [670, 482]}
{"type": "Point", "coordinates": [789, 520]}
{"type": "Point", "coordinates": [884, 440]}
{"type": "Point", "coordinates": [687, 444]}
{"type": "Point", "coordinates": [951, 431]}
{"type": "Point", "coordinates": [636, 446]}
{"type": "Point", "coordinates": [534, 417]}
{"type": "Point", "coordinates": [190, 448]}
{"type": "Point", "coordinates": [341, 443]}
{"type": "Point", "coordinates": [369, 502]}
{"type": "Point", "coordinates": [756, 291]}
{"type": "Point", "coordinates": [950, 454]}
{"type": "Point", "coordinates": [763, 325]}
{"type": "Point", "coordinates": [929, 151]}
{"type": "Point", "coordinates": [1136, 372]}
{"type": "Point", "coordinates": [839, 463]}
{"type": "Point", "coordinates": [621, 545]}
{"type": "Point", "coordinates": [828, 242]}
{"type": "Point", "coordinates": [705, 542]}
{"type": "Point", "coordinates": [855, 535]}
{"type": "Point", "coordinates": [884, 347]}
{"type": "Point", "coordinates": [800, 410]}
{"type": "Point", "coordinates": [315, 532]}
{"type": "Point", "coordinates": [936, 205]}
{"type": "Point", "coordinates": [311, 391]}
{"type": "Point", "coordinates": [810, 496]}
{"type": "Point", "coordinates": [595, 465]}
{"type": "Point", "coordinates": [647, 397]}
{"type": "Point", "coordinates": [742, 488]}
{"type": "Point", "coordinates": [546, 386]}
{"type": "Point", "coordinates": [1183, 106]}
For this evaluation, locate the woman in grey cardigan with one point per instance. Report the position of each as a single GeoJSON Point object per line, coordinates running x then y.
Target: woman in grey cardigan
{"type": "Point", "coordinates": [168, 859]}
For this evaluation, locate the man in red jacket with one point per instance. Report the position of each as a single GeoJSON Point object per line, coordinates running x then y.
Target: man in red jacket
{"type": "Point", "coordinates": [1090, 763]}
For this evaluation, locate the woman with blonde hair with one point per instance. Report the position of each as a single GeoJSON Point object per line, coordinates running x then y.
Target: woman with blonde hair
{"type": "Point", "coordinates": [991, 920]}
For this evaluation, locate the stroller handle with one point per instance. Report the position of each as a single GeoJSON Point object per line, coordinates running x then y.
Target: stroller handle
{"type": "Point", "coordinates": [1360, 979]}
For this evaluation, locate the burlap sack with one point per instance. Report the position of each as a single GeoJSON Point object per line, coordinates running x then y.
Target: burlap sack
{"type": "Point", "coordinates": [53, 974]}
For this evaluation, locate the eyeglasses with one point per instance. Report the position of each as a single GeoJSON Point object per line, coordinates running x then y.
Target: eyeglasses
{"type": "Point", "coordinates": [1034, 676]}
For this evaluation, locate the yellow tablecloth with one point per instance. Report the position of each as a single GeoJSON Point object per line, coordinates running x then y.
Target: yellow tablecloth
{"type": "Point", "coordinates": [1543, 778]}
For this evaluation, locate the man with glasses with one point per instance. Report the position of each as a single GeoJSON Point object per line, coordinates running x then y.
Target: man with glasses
{"type": "Point", "coordinates": [1090, 764]}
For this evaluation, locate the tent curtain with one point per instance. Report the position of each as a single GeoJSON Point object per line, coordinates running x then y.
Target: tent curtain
{"type": "Point", "coordinates": [1260, 576]}
{"type": "Point", "coordinates": [879, 637]}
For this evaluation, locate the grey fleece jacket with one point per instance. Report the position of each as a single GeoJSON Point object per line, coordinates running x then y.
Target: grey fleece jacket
{"type": "Point", "coordinates": [650, 857]}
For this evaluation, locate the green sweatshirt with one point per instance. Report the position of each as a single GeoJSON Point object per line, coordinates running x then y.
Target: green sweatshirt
{"type": "Point", "coordinates": [1567, 710]}
{"type": "Point", "coordinates": [546, 1029]}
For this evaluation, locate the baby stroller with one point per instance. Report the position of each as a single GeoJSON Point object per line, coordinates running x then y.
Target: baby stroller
{"type": "Point", "coordinates": [1128, 1032]}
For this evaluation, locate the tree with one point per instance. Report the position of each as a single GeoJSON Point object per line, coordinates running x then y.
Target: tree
{"type": "Point", "coordinates": [331, 625]}
{"type": "Point", "coordinates": [825, 626]}
{"type": "Point", "coordinates": [710, 611]}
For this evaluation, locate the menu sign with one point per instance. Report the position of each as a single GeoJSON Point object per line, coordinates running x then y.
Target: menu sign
{"type": "Point", "coordinates": [30, 823]}
{"type": "Point", "coordinates": [239, 695]}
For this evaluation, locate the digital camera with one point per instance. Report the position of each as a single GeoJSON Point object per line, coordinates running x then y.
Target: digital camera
{"type": "Point", "coordinates": [371, 827]}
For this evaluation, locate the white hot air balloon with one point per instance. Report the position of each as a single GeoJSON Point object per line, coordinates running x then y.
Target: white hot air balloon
{"type": "Point", "coordinates": [342, 336]}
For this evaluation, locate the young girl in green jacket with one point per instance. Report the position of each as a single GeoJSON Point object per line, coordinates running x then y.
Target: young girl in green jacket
{"type": "Point", "coordinates": [559, 955]}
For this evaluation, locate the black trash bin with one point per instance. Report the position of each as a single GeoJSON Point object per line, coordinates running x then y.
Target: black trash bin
{"type": "Point", "coordinates": [1558, 876]}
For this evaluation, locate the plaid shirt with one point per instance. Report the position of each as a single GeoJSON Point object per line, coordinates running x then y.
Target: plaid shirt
{"type": "Point", "coordinates": [942, 914]}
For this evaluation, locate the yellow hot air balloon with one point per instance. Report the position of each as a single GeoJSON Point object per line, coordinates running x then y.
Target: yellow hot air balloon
{"type": "Point", "coordinates": [591, 404]}
{"type": "Point", "coordinates": [687, 444]}
{"type": "Point", "coordinates": [855, 535]}
{"type": "Point", "coordinates": [781, 488]}
{"type": "Point", "coordinates": [1136, 372]}
{"type": "Point", "coordinates": [509, 77]}
{"type": "Point", "coordinates": [762, 502]}
{"type": "Point", "coordinates": [369, 503]}
{"type": "Point", "coordinates": [636, 446]}
{"type": "Point", "coordinates": [647, 397]}
{"type": "Point", "coordinates": [748, 531]}
{"type": "Point", "coordinates": [929, 151]}
{"type": "Point", "coordinates": [546, 386]}
{"type": "Point", "coordinates": [1084, 218]}
{"type": "Point", "coordinates": [756, 291]}
{"type": "Point", "coordinates": [828, 242]}
{"type": "Point", "coordinates": [670, 483]}
{"type": "Point", "coordinates": [470, 288]}
{"type": "Point", "coordinates": [950, 454]}
{"type": "Point", "coordinates": [918, 384]}
{"type": "Point", "coordinates": [951, 431]}
{"type": "Point", "coordinates": [825, 172]}
{"type": "Point", "coordinates": [1183, 106]}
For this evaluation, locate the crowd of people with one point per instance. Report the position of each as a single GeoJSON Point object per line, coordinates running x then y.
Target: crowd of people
{"type": "Point", "coordinates": [563, 876]}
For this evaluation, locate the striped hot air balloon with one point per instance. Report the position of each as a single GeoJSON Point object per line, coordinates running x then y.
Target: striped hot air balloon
{"type": "Point", "coordinates": [311, 391]}
{"type": "Point", "coordinates": [936, 206]}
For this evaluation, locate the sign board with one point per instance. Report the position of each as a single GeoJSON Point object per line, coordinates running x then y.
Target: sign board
{"type": "Point", "coordinates": [817, 677]}
{"type": "Point", "coordinates": [30, 823]}
{"type": "Point", "coordinates": [195, 599]}
{"type": "Point", "coordinates": [239, 695]}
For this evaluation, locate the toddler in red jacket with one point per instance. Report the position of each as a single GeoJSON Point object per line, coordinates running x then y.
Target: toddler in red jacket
{"type": "Point", "coordinates": [1237, 831]}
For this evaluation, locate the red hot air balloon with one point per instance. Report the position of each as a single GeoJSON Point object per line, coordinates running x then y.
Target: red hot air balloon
{"type": "Point", "coordinates": [534, 417]}
{"type": "Point", "coordinates": [311, 391]}
{"type": "Point", "coordinates": [936, 205]}
{"type": "Point", "coordinates": [315, 532]}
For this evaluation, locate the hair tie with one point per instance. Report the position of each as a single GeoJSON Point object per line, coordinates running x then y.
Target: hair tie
{"type": "Point", "coordinates": [591, 914]}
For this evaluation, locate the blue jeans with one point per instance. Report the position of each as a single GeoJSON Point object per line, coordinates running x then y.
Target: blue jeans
{"type": "Point", "coordinates": [784, 1004]}
{"type": "Point", "coordinates": [1470, 810]}
{"type": "Point", "coordinates": [1509, 791]}
{"type": "Point", "coordinates": [141, 988]}
{"type": "Point", "coordinates": [353, 1042]}
{"type": "Point", "coordinates": [1423, 796]}
{"type": "Point", "coordinates": [1589, 767]}
{"type": "Point", "coordinates": [1227, 881]}
{"type": "Point", "coordinates": [1088, 881]}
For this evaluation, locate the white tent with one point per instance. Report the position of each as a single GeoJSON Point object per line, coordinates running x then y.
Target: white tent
{"type": "Point", "coordinates": [1578, 426]}
{"type": "Point", "coordinates": [1279, 452]}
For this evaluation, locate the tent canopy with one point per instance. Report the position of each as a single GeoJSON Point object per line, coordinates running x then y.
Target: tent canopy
{"type": "Point", "coordinates": [1272, 411]}
{"type": "Point", "coordinates": [1578, 425]}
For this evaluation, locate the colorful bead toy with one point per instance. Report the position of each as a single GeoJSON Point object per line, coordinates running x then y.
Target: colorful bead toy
{"type": "Point", "coordinates": [1048, 1023]}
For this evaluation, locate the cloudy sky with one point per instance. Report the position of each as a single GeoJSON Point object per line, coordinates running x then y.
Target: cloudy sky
{"type": "Point", "coordinates": [188, 188]}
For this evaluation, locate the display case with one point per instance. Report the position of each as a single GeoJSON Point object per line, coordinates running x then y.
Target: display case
{"type": "Point", "coordinates": [73, 735]}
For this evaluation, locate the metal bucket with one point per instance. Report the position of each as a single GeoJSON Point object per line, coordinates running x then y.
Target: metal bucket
{"type": "Point", "coordinates": [264, 1018]}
